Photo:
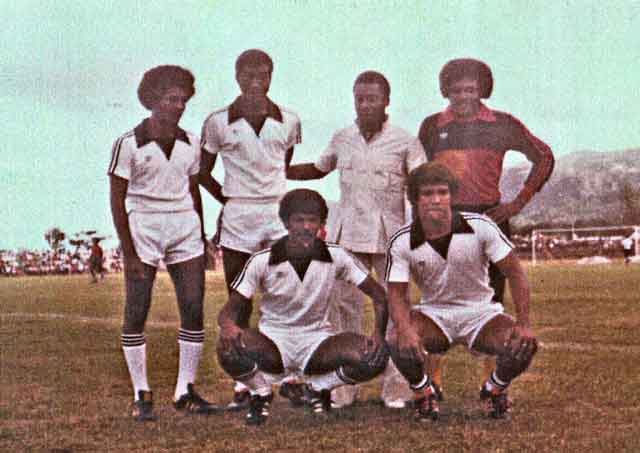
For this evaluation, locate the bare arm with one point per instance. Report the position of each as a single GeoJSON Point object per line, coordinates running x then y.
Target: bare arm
{"type": "Point", "coordinates": [287, 158]}
{"type": "Point", "coordinates": [206, 180]}
{"type": "Point", "coordinates": [519, 286]}
{"type": "Point", "coordinates": [379, 297]}
{"type": "Point", "coordinates": [522, 342]}
{"type": "Point", "coordinates": [409, 343]}
{"type": "Point", "coordinates": [118, 192]}
{"type": "Point", "coordinates": [303, 172]}
{"type": "Point", "coordinates": [230, 318]}
{"type": "Point", "coordinates": [197, 203]}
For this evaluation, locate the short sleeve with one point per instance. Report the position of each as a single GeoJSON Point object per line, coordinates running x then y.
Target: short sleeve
{"type": "Point", "coordinates": [416, 155]}
{"type": "Point", "coordinates": [496, 245]}
{"type": "Point", "coordinates": [210, 136]}
{"type": "Point", "coordinates": [194, 168]}
{"type": "Point", "coordinates": [398, 266]}
{"type": "Point", "coordinates": [247, 282]}
{"type": "Point", "coordinates": [120, 164]}
{"type": "Point", "coordinates": [353, 271]}
{"type": "Point", "coordinates": [295, 133]}
{"type": "Point", "coordinates": [328, 160]}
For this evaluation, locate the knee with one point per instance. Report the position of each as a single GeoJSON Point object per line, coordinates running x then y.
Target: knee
{"type": "Point", "coordinates": [135, 317]}
{"type": "Point", "coordinates": [233, 363]}
{"type": "Point", "coordinates": [365, 370]}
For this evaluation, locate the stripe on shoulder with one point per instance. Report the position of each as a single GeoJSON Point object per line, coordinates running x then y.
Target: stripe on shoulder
{"type": "Point", "coordinates": [236, 281]}
{"type": "Point", "coordinates": [487, 220]}
{"type": "Point", "coordinates": [115, 150]}
{"type": "Point", "coordinates": [404, 230]}
{"type": "Point", "coordinates": [217, 112]}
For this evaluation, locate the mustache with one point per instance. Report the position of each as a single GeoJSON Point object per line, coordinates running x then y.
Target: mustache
{"type": "Point", "coordinates": [305, 235]}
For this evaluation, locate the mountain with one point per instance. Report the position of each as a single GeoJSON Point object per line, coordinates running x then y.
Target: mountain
{"type": "Point", "coordinates": [586, 188]}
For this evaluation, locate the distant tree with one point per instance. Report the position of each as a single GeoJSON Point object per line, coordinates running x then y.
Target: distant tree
{"type": "Point", "coordinates": [54, 237]}
{"type": "Point", "coordinates": [630, 205]}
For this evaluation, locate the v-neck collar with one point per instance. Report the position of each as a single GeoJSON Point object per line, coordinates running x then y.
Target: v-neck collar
{"type": "Point", "coordinates": [441, 245]}
{"type": "Point", "coordinates": [319, 252]}
{"type": "Point", "coordinates": [143, 138]}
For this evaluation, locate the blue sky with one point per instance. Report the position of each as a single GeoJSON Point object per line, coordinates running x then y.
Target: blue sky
{"type": "Point", "coordinates": [70, 69]}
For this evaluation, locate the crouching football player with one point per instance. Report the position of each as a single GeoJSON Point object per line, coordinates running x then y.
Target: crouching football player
{"type": "Point", "coordinates": [448, 254]}
{"type": "Point", "coordinates": [157, 213]}
{"type": "Point", "coordinates": [294, 336]}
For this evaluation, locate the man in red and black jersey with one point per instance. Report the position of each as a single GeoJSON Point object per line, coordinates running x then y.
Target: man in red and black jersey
{"type": "Point", "coordinates": [472, 140]}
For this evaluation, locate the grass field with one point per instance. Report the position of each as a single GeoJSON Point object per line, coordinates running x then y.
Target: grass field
{"type": "Point", "coordinates": [64, 385]}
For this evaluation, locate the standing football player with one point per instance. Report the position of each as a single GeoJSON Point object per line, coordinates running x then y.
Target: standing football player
{"type": "Point", "coordinates": [448, 254]}
{"type": "Point", "coordinates": [255, 139]}
{"type": "Point", "coordinates": [472, 140]}
{"type": "Point", "coordinates": [295, 336]}
{"type": "Point", "coordinates": [157, 213]}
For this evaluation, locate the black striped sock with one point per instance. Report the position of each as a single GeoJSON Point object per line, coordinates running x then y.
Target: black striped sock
{"type": "Point", "coordinates": [191, 336]}
{"type": "Point", "coordinates": [131, 340]}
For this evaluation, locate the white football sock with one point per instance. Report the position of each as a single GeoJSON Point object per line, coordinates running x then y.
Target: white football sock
{"type": "Point", "coordinates": [190, 344]}
{"type": "Point", "coordinates": [255, 382]}
{"type": "Point", "coordinates": [135, 354]}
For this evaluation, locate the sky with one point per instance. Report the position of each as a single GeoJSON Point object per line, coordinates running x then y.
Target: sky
{"type": "Point", "coordinates": [69, 72]}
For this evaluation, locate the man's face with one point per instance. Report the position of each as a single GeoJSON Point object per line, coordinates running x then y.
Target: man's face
{"type": "Point", "coordinates": [170, 107]}
{"type": "Point", "coordinates": [303, 229]}
{"type": "Point", "coordinates": [254, 81]}
{"type": "Point", "coordinates": [370, 102]}
{"type": "Point", "coordinates": [464, 97]}
{"type": "Point", "coordinates": [434, 202]}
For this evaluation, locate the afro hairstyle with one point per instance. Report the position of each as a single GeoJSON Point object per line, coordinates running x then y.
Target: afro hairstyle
{"type": "Point", "coordinates": [460, 68]}
{"type": "Point", "coordinates": [303, 201]}
{"type": "Point", "coordinates": [156, 81]}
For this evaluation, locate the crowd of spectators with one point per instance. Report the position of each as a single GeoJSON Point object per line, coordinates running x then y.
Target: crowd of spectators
{"type": "Point", "coordinates": [48, 262]}
{"type": "Point", "coordinates": [568, 246]}
{"type": "Point", "coordinates": [65, 262]}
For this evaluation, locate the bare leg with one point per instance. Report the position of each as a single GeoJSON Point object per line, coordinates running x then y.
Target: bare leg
{"type": "Point", "coordinates": [491, 340]}
{"type": "Point", "coordinates": [188, 280]}
{"type": "Point", "coordinates": [259, 351]}
{"type": "Point", "coordinates": [138, 301]}
{"type": "Point", "coordinates": [433, 339]}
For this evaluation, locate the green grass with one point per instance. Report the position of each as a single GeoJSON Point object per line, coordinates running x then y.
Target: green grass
{"type": "Point", "coordinates": [64, 384]}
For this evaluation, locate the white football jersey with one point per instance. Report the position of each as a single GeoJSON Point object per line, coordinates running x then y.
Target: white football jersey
{"type": "Point", "coordinates": [287, 301]}
{"type": "Point", "coordinates": [460, 278]}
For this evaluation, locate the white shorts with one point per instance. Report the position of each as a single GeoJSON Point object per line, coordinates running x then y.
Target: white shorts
{"type": "Point", "coordinates": [173, 237]}
{"type": "Point", "coordinates": [296, 348]}
{"type": "Point", "coordinates": [250, 225]}
{"type": "Point", "coordinates": [461, 325]}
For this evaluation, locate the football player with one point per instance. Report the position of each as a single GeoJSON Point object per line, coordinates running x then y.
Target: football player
{"type": "Point", "coordinates": [295, 336]}
{"type": "Point", "coordinates": [157, 213]}
{"type": "Point", "coordinates": [448, 254]}
{"type": "Point", "coordinates": [472, 140]}
{"type": "Point", "coordinates": [255, 139]}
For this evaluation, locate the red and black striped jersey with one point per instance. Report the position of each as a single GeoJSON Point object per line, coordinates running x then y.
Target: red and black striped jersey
{"type": "Point", "coordinates": [474, 150]}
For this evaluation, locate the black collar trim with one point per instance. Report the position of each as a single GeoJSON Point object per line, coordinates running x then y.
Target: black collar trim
{"type": "Point", "coordinates": [319, 252]}
{"type": "Point", "coordinates": [458, 226]}
{"type": "Point", "coordinates": [141, 132]}
{"type": "Point", "coordinates": [235, 111]}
